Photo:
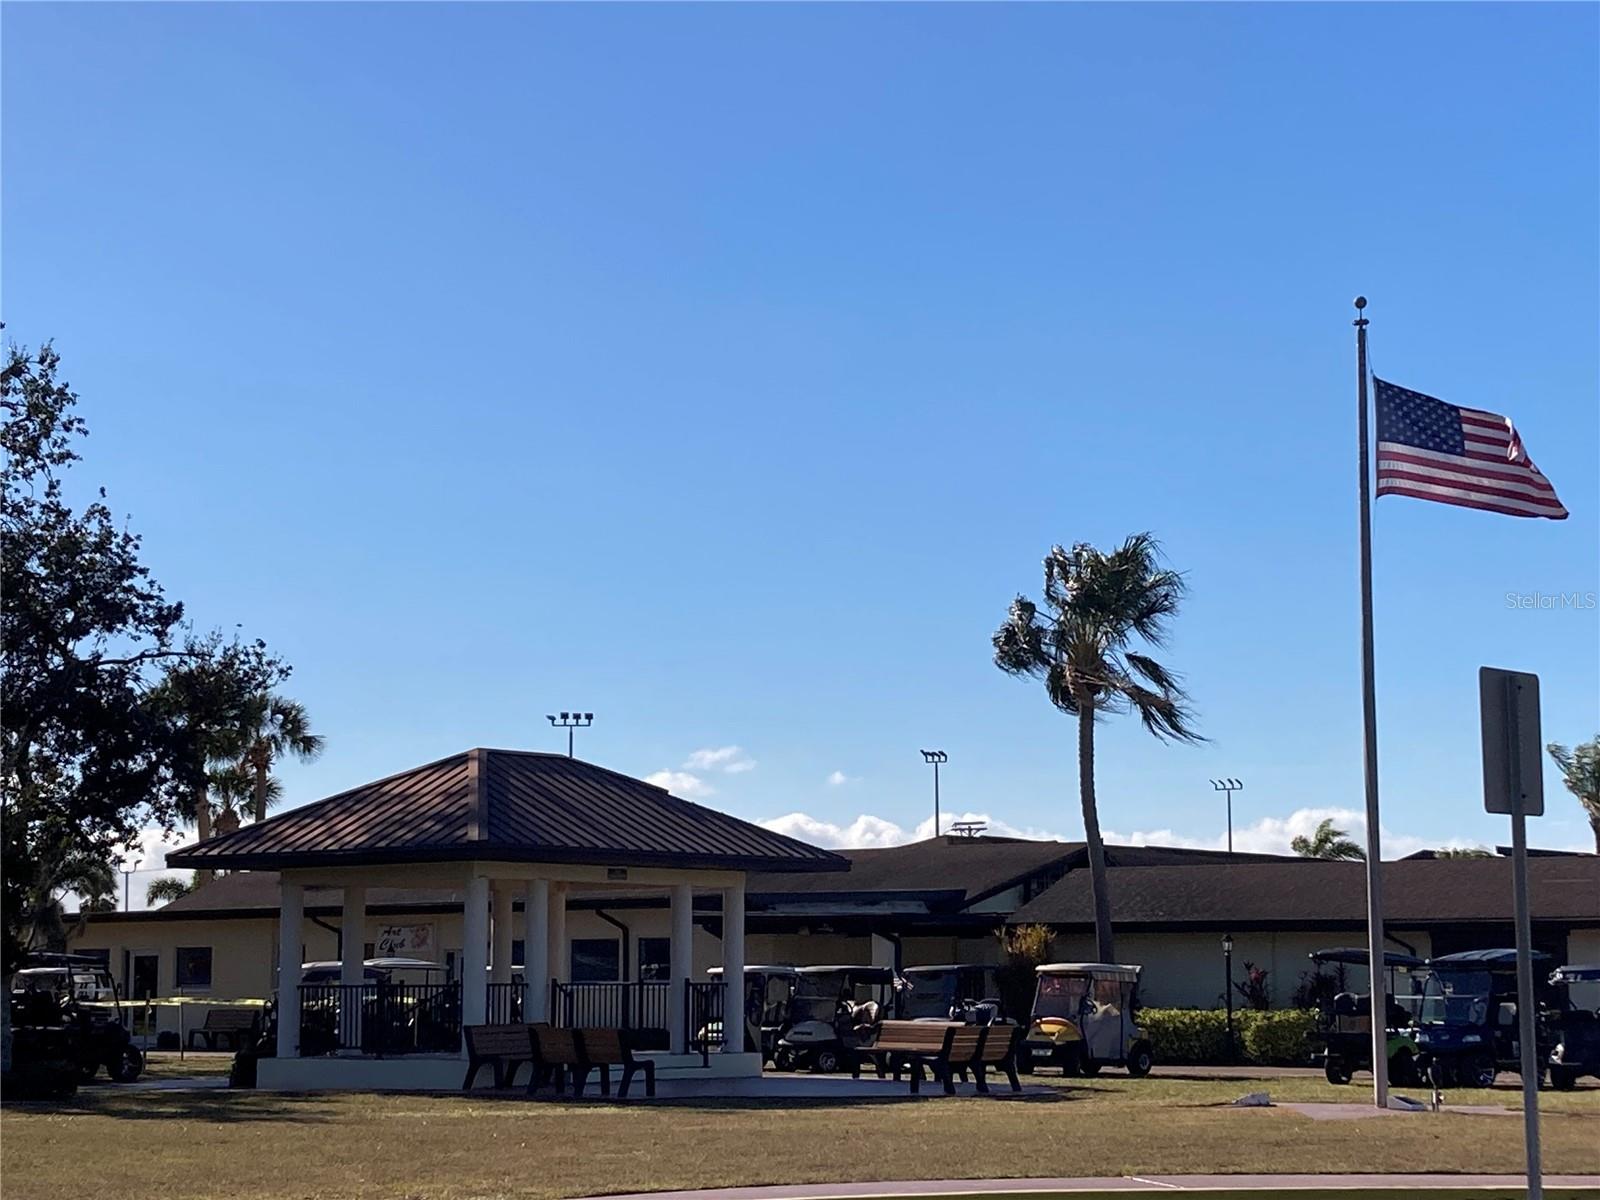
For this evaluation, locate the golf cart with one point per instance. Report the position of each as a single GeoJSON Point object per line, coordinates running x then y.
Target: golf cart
{"type": "Point", "coordinates": [963, 992]}
{"type": "Point", "coordinates": [1085, 1015]}
{"type": "Point", "coordinates": [1345, 1024]}
{"type": "Point", "coordinates": [70, 1003]}
{"type": "Point", "coordinates": [767, 995]}
{"type": "Point", "coordinates": [833, 1013]}
{"type": "Point", "coordinates": [1578, 1051]}
{"type": "Point", "coordinates": [1467, 1026]}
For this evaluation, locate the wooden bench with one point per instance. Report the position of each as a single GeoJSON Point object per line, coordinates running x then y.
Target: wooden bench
{"type": "Point", "coordinates": [604, 1049]}
{"type": "Point", "coordinates": [939, 1047]}
{"type": "Point", "coordinates": [555, 1053]}
{"type": "Point", "coordinates": [998, 1050]}
{"type": "Point", "coordinates": [501, 1047]}
{"type": "Point", "coordinates": [231, 1023]}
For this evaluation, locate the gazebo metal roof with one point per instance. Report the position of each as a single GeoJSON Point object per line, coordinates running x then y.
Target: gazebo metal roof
{"type": "Point", "coordinates": [507, 806]}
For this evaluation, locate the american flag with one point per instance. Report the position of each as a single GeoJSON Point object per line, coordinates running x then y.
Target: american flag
{"type": "Point", "coordinates": [1431, 450]}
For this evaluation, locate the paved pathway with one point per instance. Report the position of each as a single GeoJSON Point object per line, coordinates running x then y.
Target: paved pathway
{"type": "Point", "coordinates": [1356, 1184]}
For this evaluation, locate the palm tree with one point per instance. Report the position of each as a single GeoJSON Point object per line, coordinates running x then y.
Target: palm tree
{"type": "Point", "coordinates": [1095, 606]}
{"type": "Point", "coordinates": [167, 888]}
{"type": "Point", "coordinates": [234, 787]}
{"type": "Point", "coordinates": [1327, 842]}
{"type": "Point", "coordinates": [274, 727]}
{"type": "Point", "coordinates": [56, 871]}
{"type": "Point", "coordinates": [1580, 769]}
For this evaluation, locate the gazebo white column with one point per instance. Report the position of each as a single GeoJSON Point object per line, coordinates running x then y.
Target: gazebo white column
{"type": "Point", "coordinates": [733, 1017]}
{"type": "Point", "coordinates": [291, 916]}
{"type": "Point", "coordinates": [352, 964]}
{"type": "Point", "coordinates": [500, 961]}
{"type": "Point", "coordinates": [536, 951]}
{"type": "Point", "coordinates": [475, 952]}
{"type": "Point", "coordinates": [682, 964]}
{"type": "Point", "coordinates": [559, 964]}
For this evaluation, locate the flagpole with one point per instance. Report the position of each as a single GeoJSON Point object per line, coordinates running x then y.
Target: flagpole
{"type": "Point", "coordinates": [1377, 975]}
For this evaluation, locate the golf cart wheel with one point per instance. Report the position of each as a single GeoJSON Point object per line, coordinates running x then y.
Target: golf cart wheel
{"type": "Point", "coordinates": [86, 1070]}
{"type": "Point", "coordinates": [1403, 1069]}
{"type": "Point", "coordinates": [1479, 1071]}
{"type": "Point", "coordinates": [1336, 1071]}
{"type": "Point", "coordinates": [826, 1062]}
{"type": "Point", "coordinates": [1140, 1060]}
{"type": "Point", "coordinates": [1025, 1061]}
{"type": "Point", "coordinates": [1562, 1079]}
{"type": "Point", "coordinates": [1087, 1066]}
{"type": "Point", "coordinates": [126, 1066]}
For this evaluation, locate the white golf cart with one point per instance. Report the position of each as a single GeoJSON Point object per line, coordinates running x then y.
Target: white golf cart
{"type": "Point", "coordinates": [1085, 1015]}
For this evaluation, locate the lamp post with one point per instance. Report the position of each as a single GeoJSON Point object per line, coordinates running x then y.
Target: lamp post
{"type": "Point", "coordinates": [570, 721]}
{"type": "Point", "coordinates": [1230, 786]}
{"type": "Point", "coordinates": [935, 758]}
{"type": "Point", "coordinates": [1227, 986]}
{"type": "Point", "coordinates": [127, 876]}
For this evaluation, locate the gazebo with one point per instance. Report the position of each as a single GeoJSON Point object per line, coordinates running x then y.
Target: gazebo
{"type": "Point", "coordinates": [506, 829]}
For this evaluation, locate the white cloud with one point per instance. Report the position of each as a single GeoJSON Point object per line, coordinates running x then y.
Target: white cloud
{"type": "Point", "coordinates": [1272, 835]}
{"type": "Point", "coordinates": [839, 779]}
{"type": "Point", "coordinates": [682, 783]}
{"type": "Point", "coordinates": [867, 831]}
{"type": "Point", "coordinates": [731, 759]}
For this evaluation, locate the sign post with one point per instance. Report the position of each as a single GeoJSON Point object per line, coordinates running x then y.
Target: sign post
{"type": "Point", "coordinates": [1513, 783]}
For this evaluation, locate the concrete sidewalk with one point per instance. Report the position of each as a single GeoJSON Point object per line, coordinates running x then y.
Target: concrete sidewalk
{"type": "Point", "coordinates": [1356, 1185]}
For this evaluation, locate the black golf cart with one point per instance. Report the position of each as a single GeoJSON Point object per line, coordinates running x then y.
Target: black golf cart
{"type": "Point", "coordinates": [1344, 1025]}
{"type": "Point", "coordinates": [834, 1012]}
{"type": "Point", "coordinates": [1467, 1025]}
{"type": "Point", "coordinates": [67, 1006]}
{"type": "Point", "coordinates": [956, 992]}
{"type": "Point", "coordinates": [1578, 1051]}
{"type": "Point", "coordinates": [768, 992]}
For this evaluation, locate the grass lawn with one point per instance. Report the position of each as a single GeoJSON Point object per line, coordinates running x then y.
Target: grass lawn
{"type": "Point", "coordinates": [243, 1144]}
{"type": "Point", "coordinates": [165, 1064]}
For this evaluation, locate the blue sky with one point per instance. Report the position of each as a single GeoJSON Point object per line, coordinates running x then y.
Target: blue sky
{"type": "Point", "coordinates": [726, 370]}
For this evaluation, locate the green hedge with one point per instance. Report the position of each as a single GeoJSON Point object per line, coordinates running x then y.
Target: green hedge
{"type": "Point", "coordinates": [1197, 1035]}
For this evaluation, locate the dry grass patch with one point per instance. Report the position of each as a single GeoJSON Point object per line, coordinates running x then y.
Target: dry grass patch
{"type": "Point", "coordinates": [258, 1146]}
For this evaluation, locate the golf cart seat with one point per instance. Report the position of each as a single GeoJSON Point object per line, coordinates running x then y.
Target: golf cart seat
{"type": "Point", "coordinates": [1348, 1004]}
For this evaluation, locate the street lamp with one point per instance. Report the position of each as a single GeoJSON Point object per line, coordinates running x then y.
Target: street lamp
{"type": "Point", "coordinates": [1227, 986]}
{"type": "Point", "coordinates": [935, 758]}
{"type": "Point", "coordinates": [1230, 786]}
{"type": "Point", "coordinates": [570, 721]}
{"type": "Point", "coordinates": [127, 876]}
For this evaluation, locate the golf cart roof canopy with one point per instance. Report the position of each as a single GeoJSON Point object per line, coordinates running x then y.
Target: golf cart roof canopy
{"type": "Point", "coordinates": [1357, 956]}
{"type": "Point", "coordinates": [44, 961]}
{"type": "Point", "coordinates": [1576, 974]}
{"type": "Point", "coordinates": [929, 970]}
{"type": "Point", "coordinates": [883, 974]}
{"type": "Point", "coordinates": [1115, 970]}
{"type": "Point", "coordinates": [379, 964]}
{"type": "Point", "coordinates": [1481, 960]}
{"type": "Point", "coordinates": [775, 969]}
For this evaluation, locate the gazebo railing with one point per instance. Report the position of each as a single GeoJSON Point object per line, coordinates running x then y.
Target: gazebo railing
{"type": "Point", "coordinates": [638, 1005]}
{"type": "Point", "coordinates": [704, 1026]}
{"type": "Point", "coordinates": [504, 1005]}
{"type": "Point", "coordinates": [380, 1019]}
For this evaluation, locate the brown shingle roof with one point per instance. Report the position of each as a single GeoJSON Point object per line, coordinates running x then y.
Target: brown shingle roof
{"type": "Point", "coordinates": [511, 806]}
{"type": "Point", "coordinates": [1309, 890]}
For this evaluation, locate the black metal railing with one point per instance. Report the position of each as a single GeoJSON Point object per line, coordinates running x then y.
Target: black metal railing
{"type": "Point", "coordinates": [703, 1017]}
{"type": "Point", "coordinates": [380, 1018]}
{"type": "Point", "coordinates": [504, 1005]}
{"type": "Point", "coordinates": [639, 1006]}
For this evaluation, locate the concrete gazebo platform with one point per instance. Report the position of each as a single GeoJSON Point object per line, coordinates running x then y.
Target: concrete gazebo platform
{"type": "Point", "coordinates": [508, 830]}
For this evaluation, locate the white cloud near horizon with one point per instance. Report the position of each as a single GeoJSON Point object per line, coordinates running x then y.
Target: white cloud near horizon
{"type": "Point", "coordinates": [1267, 835]}
{"type": "Point", "coordinates": [682, 783]}
{"type": "Point", "coordinates": [839, 779]}
{"type": "Point", "coordinates": [730, 759]}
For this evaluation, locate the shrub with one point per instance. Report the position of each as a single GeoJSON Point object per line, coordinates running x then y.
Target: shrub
{"type": "Point", "coordinates": [1022, 947]}
{"type": "Point", "coordinates": [1200, 1035]}
{"type": "Point", "coordinates": [1279, 1039]}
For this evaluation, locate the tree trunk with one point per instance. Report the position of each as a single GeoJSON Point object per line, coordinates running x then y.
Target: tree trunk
{"type": "Point", "coordinates": [261, 787]}
{"type": "Point", "coordinates": [202, 827]}
{"type": "Point", "coordinates": [1098, 888]}
{"type": "Point", "coordinates": [1594, 824]}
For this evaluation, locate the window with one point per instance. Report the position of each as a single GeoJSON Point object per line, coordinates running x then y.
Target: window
{"type": "Point", "coordinates": [655, 958]}
{"type": "Point", "coordinates": [596, 960]}
{"type": "Point", "coordinates": [194, 966]}
{"type": "Point", "coordinates": [369, 950]}
{"type": "Point", "coordinates": [518, 955]}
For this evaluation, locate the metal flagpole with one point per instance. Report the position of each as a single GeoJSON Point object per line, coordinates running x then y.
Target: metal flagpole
{"type": "Point", "coordinates": [1369, 714]}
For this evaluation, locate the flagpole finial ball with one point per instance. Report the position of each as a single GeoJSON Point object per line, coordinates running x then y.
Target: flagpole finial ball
{"type": "Point", "coordinates": [1361, 302]}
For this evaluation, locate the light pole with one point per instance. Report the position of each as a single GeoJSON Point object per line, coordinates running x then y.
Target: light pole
{"type": "Point", "coordinates": [570, 721]}
{"type": "Point", "coordinates": [1227, 986]}
{"type": "Point", "coordinates": [935, 757]}
{"type": "Point", "coordinates": [127, 876]}
{"type": "Point", "coordinates": [1230, 786]}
